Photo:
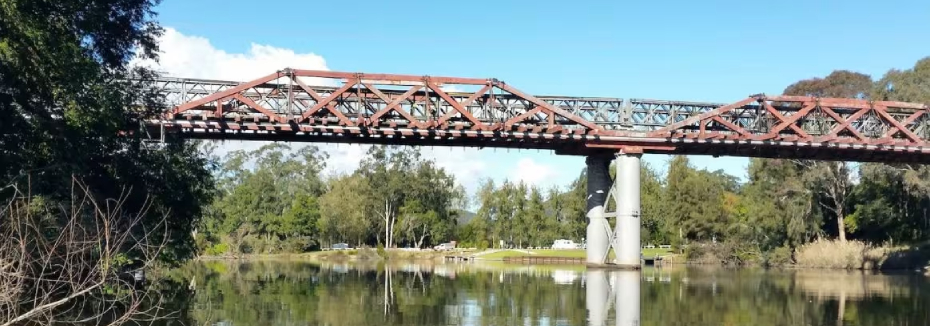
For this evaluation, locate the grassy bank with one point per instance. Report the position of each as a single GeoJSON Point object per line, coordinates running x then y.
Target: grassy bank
{"type": "Point", "coordinates": [858, 255]}
{"type": "Point", "coordinates": [848, 255]}
{"type": "Point", "coordinates": [420, 255]}
{"type": "Point", "coordinates": [344, 255]}
{"type": "Point", "coordinates": [567, 253]}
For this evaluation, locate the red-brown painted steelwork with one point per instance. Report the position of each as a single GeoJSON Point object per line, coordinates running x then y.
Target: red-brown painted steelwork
{"type": "Point", "coordinates": [327, 106]}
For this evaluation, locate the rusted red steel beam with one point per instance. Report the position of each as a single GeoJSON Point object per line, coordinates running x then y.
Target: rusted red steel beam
{"type": "Point", "coordinates": [827, 106]}
{"type": "Point", "coordinates": [418, 104]}
{"type": "Point", "coordinates": [368, 82]}
{"type": "Point", "coordinates": [396, 78]}
{"type": "Point", "coordinates": [226, 93]}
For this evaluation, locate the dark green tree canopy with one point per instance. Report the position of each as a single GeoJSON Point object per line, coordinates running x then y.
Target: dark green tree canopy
{"type": "Point", "coordinates": [840, 83]}
{"type": "Point", "coordinates": [70, 109]}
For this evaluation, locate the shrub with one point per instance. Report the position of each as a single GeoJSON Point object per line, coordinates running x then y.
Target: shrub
{"type": "Point", "coordinates": [382, 252]}
{"type": "Point", "coordinates": [780, 256]}
{"type": "Point", "coordinates": [483, 245]}
{"type": "Point", "coordinates": [703, 253]}
{"type": "Point", "coordinates": [367, 254]}
{"type": "Point", "coordinates": [838, 254]}
{"type": "Point", "coordinates": [297, 244]}
{"type": "Point", "coordinates": [217, 249]}
{"type": "Point", "coordinates": [695, 251]}
{"type": "Point", "coordinates": [677, 244]}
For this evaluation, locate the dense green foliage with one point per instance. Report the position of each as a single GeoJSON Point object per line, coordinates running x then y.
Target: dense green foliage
{"type": "Point", "coordinates": [84, 194]}
{"type": "Point", "coordinates": [70, 109]}
{"type": "Point", "coordinates": [275, 199]}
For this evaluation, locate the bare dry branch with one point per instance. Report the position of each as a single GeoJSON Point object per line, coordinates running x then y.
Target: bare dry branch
{"type": "Point", "coordinates": [70, 263]}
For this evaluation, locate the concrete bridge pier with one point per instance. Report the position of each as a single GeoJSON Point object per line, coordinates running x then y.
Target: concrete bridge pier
{"type": "Point", "coordinates": [626, 195]}
{"type": "Point", "coordinates": [597, 235]}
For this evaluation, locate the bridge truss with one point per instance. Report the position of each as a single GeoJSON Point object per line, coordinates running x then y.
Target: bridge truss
{"type": "Point", "coordinates": [326, 106]}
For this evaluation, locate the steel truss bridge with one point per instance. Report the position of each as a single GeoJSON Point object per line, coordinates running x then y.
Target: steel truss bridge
{"type": "Point", "coordinates": [327, 106]}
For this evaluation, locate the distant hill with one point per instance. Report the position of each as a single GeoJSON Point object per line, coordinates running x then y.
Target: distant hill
{"type": "Point", "coordinates": [465, 217]}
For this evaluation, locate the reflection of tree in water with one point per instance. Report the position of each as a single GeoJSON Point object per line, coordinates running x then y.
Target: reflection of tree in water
{"type": "Point", "coordinates": [715, 297]}
{"type": "Point", "coordinates": [295, 293]}
{"type": "Point", "coordinates": [265, 293]}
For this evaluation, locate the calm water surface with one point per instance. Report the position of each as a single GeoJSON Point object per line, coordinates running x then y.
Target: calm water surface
{"type": "Point", "coordinates": [288, 293]}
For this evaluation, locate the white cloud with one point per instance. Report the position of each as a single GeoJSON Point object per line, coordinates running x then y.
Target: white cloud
{"type": "Point", "coordinates": [195, 57]}
{"type": "Point", "coordinates": [534, 173]}
{"type": "Point", "coordinates": [189, 56]}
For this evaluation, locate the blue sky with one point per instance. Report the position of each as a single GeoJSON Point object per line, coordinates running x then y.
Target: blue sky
{"type": "Point", "coordinates": [718, 51]}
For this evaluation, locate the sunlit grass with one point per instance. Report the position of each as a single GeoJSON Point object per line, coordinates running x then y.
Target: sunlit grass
{"type": "Point", "coordinates": [563, 253]}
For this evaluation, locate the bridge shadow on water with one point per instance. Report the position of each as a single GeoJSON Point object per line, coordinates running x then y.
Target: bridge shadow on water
{"type": "Point", "coordinates": [478, 293]}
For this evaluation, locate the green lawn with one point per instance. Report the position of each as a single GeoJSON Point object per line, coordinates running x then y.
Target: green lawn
{"type": "Point", "coordinates": [570, 253]}
{"type": "Point", "coordinates": [656, 252]}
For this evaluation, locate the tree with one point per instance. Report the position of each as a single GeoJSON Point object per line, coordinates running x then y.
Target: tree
{"type": "Point", "coordinates": [430, 199]}
{"type": "Point", "coordinates": [909, 85]}
{"type": "Point", "coordinates": [72, 108]}
{"type": "Point", "coordinates": [655, 228]}
{"type": "Point", "coordinates": [543, 228]}
{"type": "Point", "coordinates": [839, 83]}
{"type": "Point", "coordinates": [884, 208]}
{"type": "Point", "coordinates": [386, 169]}
{"type": "Point", "coordinates": [343, 215]}
{"type": "Point", "coordinates": [483, 224]}
{"type": "Point", "coordinates": [573, 211]}
{"type": "Point", "coordinates": [268, 196]}
{"type": "Point", "coordinates": [832, 179]}
{"type": "Point", "coordinates": [879, 193]}
{"type": "Point", "coordinates": [777, 206]}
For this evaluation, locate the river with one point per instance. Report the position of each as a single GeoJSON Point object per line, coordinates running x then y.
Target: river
{"type": "Point", "coordinates": [300, 293]}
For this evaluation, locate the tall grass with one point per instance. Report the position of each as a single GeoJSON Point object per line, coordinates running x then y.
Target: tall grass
{"type": "Point", "coordinates": [847, 255]}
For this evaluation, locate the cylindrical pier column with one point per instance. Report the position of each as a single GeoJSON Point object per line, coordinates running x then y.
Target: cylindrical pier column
{"type": "Point", "coordinates": [597, 290]}
{"type": "Point", "coordinates": [626, 193]}
{"type": "Point", "coordinates": [597, 237]}
{"type": "Point", "coordinates": [627, 297]}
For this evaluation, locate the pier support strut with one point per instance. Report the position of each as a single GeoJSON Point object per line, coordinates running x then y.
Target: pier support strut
{"type": "Point", "coordinates": [597, 238]}
{"type": "Point", "coordinates": [627, 196]}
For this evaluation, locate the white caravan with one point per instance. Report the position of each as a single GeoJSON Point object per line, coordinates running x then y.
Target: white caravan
{"type": "Point", "coordinates": [565, 244]}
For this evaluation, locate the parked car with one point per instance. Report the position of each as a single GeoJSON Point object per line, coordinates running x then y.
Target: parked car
{"type": "Point", "coordinates": [445, 246]}
{"type": "Point", "coordinates": [341, 246]}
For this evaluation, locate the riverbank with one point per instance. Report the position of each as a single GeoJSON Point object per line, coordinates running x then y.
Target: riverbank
{"type": "Point", "coordinates": [367, 254]}
{"type": "Point", "coordinates": [818, 255]}
{"type": "Point", "coordinates": [567, 253]}
{"type": "Point", "coordinates": [348, 255]}
{"type": "Point", "coordinates": [839, 255]}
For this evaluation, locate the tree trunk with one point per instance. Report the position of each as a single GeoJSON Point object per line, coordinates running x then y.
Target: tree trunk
{"type": "Point", "coordinates": [841, 227]}
{"type": "Point", "coordinates": [391, 227]}
{"type": "Point", "coordinates": [387, 226]}
{"type": "Point", "coordinates": [422, 236]}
